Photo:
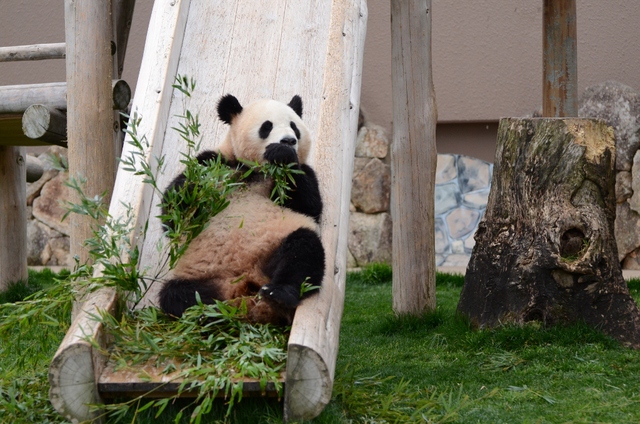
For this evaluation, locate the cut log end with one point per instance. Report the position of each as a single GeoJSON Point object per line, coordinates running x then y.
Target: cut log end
{"type": "Point", "coordinates": [309, 384]}
{"type": "Point", "coordinates": [72, 382]}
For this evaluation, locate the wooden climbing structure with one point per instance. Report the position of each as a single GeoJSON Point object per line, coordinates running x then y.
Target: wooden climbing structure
{"type": "Point", "coordinates": [253, 50]}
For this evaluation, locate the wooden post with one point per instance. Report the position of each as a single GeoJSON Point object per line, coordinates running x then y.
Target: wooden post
{"type": "Point", "coordinates": [13, 215]}
{"type": "Point", "coordinates": [122, 12]}
{"type": "Point", "coordinates": [88, 31]}
{"type": "Point", "coordinates": [413, 158]}
{"type": "Point", "coordinates": [559, 61]}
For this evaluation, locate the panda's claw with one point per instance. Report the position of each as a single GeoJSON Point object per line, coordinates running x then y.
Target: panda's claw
{"type": "Point", "coordinates": [286, 296]}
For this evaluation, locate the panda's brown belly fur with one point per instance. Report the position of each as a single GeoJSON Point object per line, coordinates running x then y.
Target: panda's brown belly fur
{"type": "Point", "coordinates": [233, 249]}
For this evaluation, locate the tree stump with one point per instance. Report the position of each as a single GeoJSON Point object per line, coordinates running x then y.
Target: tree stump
{"type": "Point", "coordinates": [545, 250]}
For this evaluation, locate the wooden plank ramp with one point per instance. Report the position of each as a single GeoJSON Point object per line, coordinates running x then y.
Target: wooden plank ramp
{"type": "Point", "coordinates": [252, 50]}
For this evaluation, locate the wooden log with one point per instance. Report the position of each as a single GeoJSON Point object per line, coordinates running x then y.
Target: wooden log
{"type": "Point", "coordinates": [11, 133]}
{"type": "Point", "coordinates": [33, 52]}
{"type": "Point", "coordinates": [122, 12]}
{"type": "Point", "coordinates": [332, 89]}
{"type": "Point", "coordinates": [413, 158]}
{"type": "Point", "coordinates": [44, 123]}
{"type": "Point", "coordinates": [76, 368]}
{"type": "Point", "coordinates": [17, 98]}
{"type": "Point", "coordinates": [90, 135]}
{"type": "Point", "coordinates": [13, 215]}
{"type": "Point", "coordinates": [314, 339]}
{"type": "Point", "coordinates": [545, 250]}
{"type": "Point", "coordinates": [559, 59]}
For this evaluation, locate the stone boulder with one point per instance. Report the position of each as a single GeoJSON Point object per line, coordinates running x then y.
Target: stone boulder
{"type": "Point", "coordinates": [48, 208]}
{"type": "Point", "coordinates": [372, 142]}
{"type": "Point", "coordinates": [619, 106]}
{"type": "Point", "coordinates": [370, 237]}
{"type": "Point", "coordinates": [371, 185]}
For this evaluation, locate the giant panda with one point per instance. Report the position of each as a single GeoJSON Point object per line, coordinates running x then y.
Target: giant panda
{"type": "Point", "coordinates": [255, 251]}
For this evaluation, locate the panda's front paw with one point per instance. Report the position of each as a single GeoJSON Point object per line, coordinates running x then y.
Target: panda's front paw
{"type": "Point", "coordinates": [284, 295]}
{"type": "Point", "coordinates": [280, 154]}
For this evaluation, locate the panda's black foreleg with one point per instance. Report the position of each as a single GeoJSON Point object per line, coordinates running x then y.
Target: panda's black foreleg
{"type": "Point", "coordinates": [304, 196]}
{"type": "Point", "coordinates": [299, 259]}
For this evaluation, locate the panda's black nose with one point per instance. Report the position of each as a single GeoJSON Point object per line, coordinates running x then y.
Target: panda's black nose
{"type": "Point", "coordinates": [289, 141]}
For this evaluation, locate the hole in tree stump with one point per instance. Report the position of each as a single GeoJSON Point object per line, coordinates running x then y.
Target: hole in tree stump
{"type": "Point", "coordinates": [572, 243]}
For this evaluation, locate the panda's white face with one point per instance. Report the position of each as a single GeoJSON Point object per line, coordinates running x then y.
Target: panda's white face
{"type": "Point", "coordinates": [265, 122]}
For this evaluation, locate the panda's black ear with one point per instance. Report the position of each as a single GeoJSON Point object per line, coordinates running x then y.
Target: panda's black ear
{"type": "Point", "coordinates": [296, 105]}
{"type": "Point", "coordinates": [228, 107]}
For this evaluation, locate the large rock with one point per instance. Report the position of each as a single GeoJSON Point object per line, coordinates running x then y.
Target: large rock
{"type": "Point", "coordinates": [37, 240]}
{"type": "Point", "coordinates": [619, 106]}
{"type": "Point", "coordinates": [626, 230]}
{"type": "Point", "coordinates": [48, 209]}
{"type": "Point", "coordinates": [623, 186]}
{"type": "Point", "coordinates": [34, 188]}
{"type": "Point", "coordinates": [55, 158]}
{"type": "Point", "coordinates": [46, 246]}
{"type": "Point", "coordinates": [372, 142]}
{"type": "Point", "coordinates": [370, 237]}
{"type": "Point", "coordinates": [370, 191]}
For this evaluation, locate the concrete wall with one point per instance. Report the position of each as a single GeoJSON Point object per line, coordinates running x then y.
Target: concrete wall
{"type": "Point", "coordinates": [487, 58]}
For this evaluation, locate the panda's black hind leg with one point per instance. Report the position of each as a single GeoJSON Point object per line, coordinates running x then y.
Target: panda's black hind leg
{"type": "Point", "coordinates": [300, 258]}
{"type": "Point", "coordinates": [179, 294]}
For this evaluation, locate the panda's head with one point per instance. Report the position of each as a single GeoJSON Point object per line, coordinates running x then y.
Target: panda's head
{"type": "Point", "coordinates": [253, 127]}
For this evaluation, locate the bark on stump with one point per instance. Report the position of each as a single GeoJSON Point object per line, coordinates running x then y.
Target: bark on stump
{"type": "Point", "coordinates": [545, 250]}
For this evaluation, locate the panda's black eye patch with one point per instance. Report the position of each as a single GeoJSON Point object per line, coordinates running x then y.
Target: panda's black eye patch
{"type": "Point", "coordinates": [295, 130]}
{"type": "Point", "coordinates": [265, 129]}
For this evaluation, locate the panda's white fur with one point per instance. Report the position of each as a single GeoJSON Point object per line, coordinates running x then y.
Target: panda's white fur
{"type": "Point", "coordinates": [243, 140]}
{"type": "Point", "coordinates": [255, 246]}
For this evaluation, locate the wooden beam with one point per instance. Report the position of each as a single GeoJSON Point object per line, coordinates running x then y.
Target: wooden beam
{"type": "Point", "coordinates": [33, 52]}
{"type": "Point", "coordinates": [11, 133]}
{"type": "Point", "coordinates": [17, 98]}
{"type": "Point", "coordinates": [13, 215]}
{"type": "Point", "coordinates": [314, 338]}
{"type": "Point", "coordinates": [413, 158]}
{"type": "Point", "coordinates": [122, 12]}
{"type": "Point", "coordinates": [560, 59]}
{"type": "Point", "coordinates": [44, 123]}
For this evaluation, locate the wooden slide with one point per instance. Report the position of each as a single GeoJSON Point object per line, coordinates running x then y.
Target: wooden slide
{"type": "Point", "coordinates": [252, 49]}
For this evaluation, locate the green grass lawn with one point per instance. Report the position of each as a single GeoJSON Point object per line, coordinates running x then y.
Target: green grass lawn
{"type": "Point", "coordinates": [427, 369]}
